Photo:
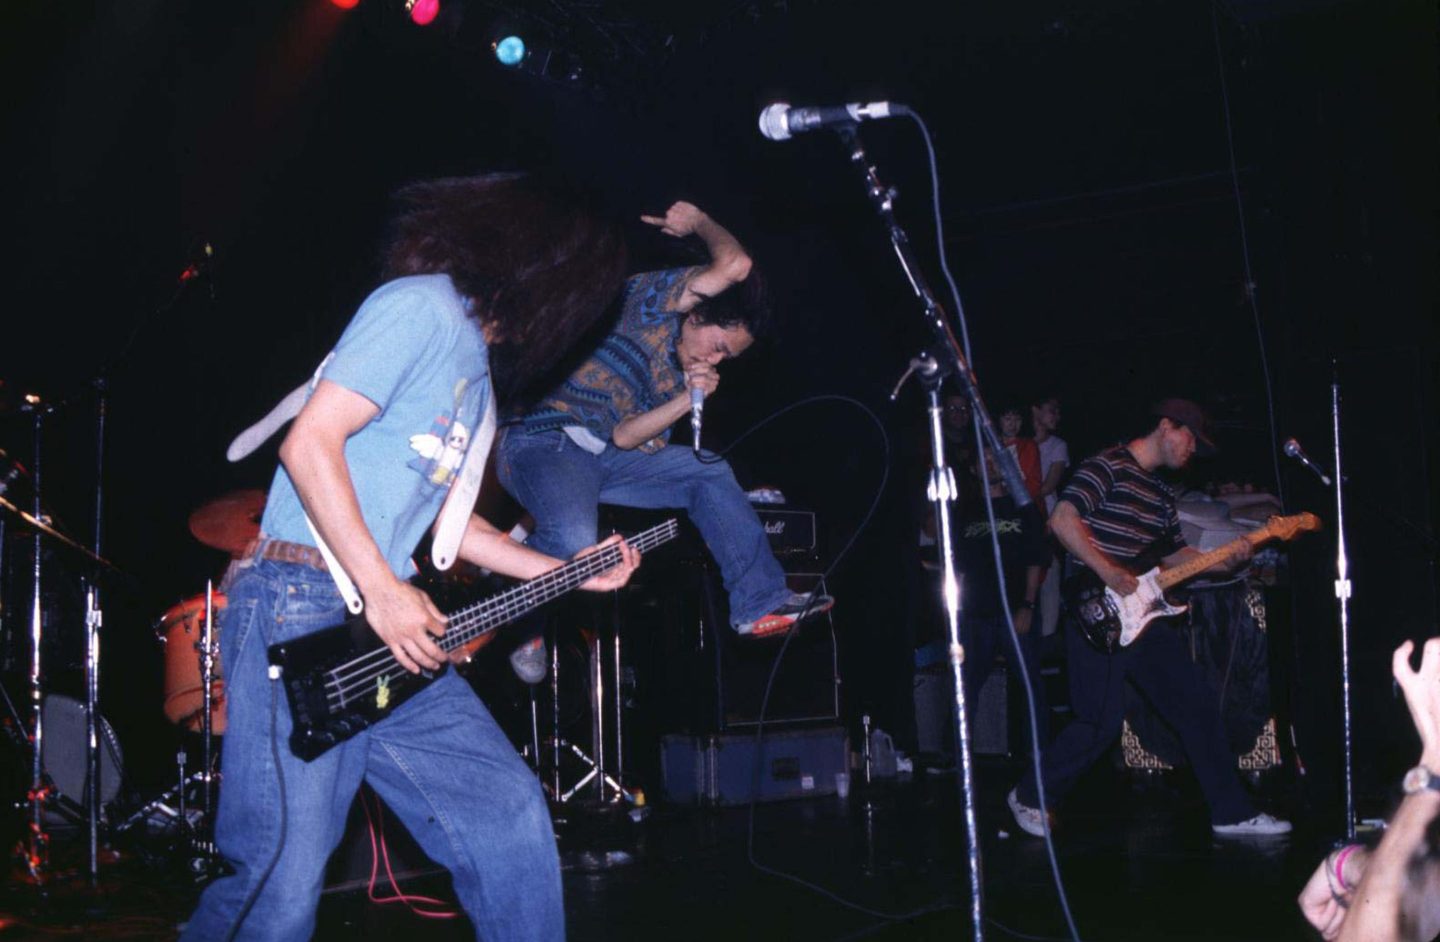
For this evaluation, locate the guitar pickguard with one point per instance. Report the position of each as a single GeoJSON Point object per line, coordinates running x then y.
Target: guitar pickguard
{"type": "Point", "coordinates": [1111, 621]}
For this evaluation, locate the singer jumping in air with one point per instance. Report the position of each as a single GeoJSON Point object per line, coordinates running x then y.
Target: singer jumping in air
{"type": "Point", "coordinates": [602, 435]}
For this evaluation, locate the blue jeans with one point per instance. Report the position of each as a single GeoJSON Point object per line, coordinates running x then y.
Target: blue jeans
{"type": "Point", "coordinates": [439, 762]}
{"type": "Point", "coordinates": [562, 486]}
{"type": "Point", "coordinates": [1159, 666]}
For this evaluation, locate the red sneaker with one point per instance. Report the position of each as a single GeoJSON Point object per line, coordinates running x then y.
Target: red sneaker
{"type": "Point", "coordinates": [799, 606]}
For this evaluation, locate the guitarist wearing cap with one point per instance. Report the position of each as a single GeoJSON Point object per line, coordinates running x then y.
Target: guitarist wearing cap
{"type": "Point", "coordinates": [1114, 513]}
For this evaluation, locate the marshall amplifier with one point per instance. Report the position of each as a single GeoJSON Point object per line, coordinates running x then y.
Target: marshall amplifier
{"type": "Point", "coordinates": [791, 532]}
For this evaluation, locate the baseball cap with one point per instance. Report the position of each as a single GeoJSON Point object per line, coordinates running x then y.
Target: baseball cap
{"type": "Point", "coordinates": [1192, 417]}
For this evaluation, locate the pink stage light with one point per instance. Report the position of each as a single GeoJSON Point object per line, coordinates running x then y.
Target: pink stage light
{"type": "Point", "coordinates": [423, 12]}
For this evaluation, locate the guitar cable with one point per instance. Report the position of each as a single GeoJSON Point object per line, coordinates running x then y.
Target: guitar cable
{"type": "Point", "coordinates": [943, 257]}
{"type": "Point", "coordinates": [379, 850]}
{"type": "Point", "coordinates": [887, 918]}
{"type": "Point", "coordinates": [790, 633]}
{"type": "Point", "coordinates": [1010, 625]}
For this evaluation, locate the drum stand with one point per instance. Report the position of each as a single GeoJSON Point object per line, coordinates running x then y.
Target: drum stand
{"type": "Point", "coordinates": [37, 853]}
{"type": "Point", "coordinates": [607, 786]}
{"type": "Point", "coordinates": [206, 844]}
{"type": "Point", "coordinates": [172, 804]}
{"type": "Point", "coordinates": [42, 793]}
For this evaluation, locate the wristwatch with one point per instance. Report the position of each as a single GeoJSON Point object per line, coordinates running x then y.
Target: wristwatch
{"type": "Point", "coordinates": [1419, 779]}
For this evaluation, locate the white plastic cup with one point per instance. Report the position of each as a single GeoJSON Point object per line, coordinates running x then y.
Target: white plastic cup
{"type": "Point", "coordinates": [842, 784]}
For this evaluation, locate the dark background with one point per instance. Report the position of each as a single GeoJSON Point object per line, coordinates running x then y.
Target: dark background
{"type": "Point", "coordinates": [1135, 195]}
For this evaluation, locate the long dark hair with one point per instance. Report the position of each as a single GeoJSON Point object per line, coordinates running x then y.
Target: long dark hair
{"type": "Point", "coordinates": [537, 258]}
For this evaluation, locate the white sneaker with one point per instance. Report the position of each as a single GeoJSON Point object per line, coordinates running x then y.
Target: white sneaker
{"type": "Point", "coordinates": [1262, 825]}
{"type": "Point", "coordinates": [1030, 820]}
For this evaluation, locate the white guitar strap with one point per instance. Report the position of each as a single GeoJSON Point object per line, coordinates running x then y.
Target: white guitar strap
{"type": "Point", "coordinates": [256, 435]}
{"type": "Point", "coordinates": [455, 513]}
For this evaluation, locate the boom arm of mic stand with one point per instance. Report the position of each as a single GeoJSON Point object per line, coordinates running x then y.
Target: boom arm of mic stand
{"type": "Point", "coordinates": [947, 345]}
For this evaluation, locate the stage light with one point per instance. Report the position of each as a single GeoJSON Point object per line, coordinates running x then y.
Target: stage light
{"type": "Point", "coordinates": [510, 50]}
{"type": "Point", "coordinates": [423, 12]}
{"type": "Point", "coordinates": [346, 4]}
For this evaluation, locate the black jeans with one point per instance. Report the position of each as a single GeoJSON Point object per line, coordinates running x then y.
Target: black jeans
{"type": "Point", "coordinates": [1159, 667]}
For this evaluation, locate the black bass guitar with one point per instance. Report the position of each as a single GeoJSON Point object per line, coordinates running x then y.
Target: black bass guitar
{"type": "Point", "coordinates": [1110, 620]}
{"type": "Point", "coordinates": [343, 679]}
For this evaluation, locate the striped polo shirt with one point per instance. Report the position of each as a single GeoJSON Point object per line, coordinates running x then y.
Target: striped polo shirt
{"type": "Point", "coordinates": [1129, 510]}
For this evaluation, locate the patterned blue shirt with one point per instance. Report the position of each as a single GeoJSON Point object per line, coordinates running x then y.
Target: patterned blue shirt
{"type": "Point", "coordinates": [633, 370]}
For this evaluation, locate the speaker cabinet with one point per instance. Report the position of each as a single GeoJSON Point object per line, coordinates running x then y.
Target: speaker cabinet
{"type": "Point", "coordinates": [806, 687]}
{"type": "Point", "coordinates": [991, 717]}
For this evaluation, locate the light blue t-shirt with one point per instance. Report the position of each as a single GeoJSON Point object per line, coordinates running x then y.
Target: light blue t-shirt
{"type": "Point", "coordinates": [414, 351]}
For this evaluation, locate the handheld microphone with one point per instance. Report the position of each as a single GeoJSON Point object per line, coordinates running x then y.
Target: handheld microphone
{"type": "Point", "coordinates": [779, 122]}
{"type": "Point", "coordinates": [1293, 449]}
{"type": "Point", "coordinates": [697, 411]}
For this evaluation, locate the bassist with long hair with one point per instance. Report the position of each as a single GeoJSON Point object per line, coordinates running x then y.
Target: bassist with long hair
{"type": "Point", "coordinates": [490, 280]}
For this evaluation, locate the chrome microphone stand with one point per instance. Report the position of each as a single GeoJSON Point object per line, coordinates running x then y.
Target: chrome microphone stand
{"type": "Point", "coordinates": [1343, 591]}
{"type": "Point", "coordinates": [37, 852]}
{"type": "Point", "coordinates": [1342, 595]}
{"type": "Point", "coordinates": [949, 361]}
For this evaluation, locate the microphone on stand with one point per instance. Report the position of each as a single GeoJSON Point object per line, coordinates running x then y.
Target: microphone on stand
{"type": "Point", "coordinates": [16, 469]}
{"type": "Point", "coordinates": [199, 264]}
{"type": "Point", "coordinates": [779, 122]}
{"type": "Point", "coordinates": [1293, 449]}
{"type": "Point", "coordinates": [697, 411]}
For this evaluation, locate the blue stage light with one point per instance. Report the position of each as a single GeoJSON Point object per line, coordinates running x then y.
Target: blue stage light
{"type": "Point", "coordinates": [510, 50]}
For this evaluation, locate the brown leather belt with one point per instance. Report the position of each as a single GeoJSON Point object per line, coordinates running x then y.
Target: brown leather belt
{"type": "Point", "coordinates": [283, 551]}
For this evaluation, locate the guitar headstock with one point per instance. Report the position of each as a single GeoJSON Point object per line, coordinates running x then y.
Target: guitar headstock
{"type": "Point", "coordinates": [1285, 528]}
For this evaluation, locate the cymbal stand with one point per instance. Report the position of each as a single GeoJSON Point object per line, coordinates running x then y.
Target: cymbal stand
{"type": "Point", "coordinates": [94, 621]}
{"type": "Point", "coordinates": [37, 854]}
{"type": "Point", "coordinates": [207, 739]}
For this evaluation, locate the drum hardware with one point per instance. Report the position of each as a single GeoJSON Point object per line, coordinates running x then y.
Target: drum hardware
{"type": "Point", "coordinates": [607, 787]}
{"type": "Point", "coordinates": [207, 729]}
{"type": "Point", "coordinates": [182, 630]}
{"type": "Point", "coordinates": [194, 701]}
{"type": "Point", "coordinates": [194, 680]}
{"type": "Point", "coordinates": [43, 795]}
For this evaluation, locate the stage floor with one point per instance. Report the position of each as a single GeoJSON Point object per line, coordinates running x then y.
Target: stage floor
{"type": "Point", "coordinates": [1138, 861]}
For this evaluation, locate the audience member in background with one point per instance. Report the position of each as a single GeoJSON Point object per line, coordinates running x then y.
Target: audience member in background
{"type": "Point", "coordinates": [1024, 550]}
{"type": "Point", "coordinates": [1026, 452]}
{"type": "Point", "coordinates": [1054, 459]}
{"type": "Point", "coordinates": [1393, 891]}
{"type": "Point", "coordinates": [959, 429]}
